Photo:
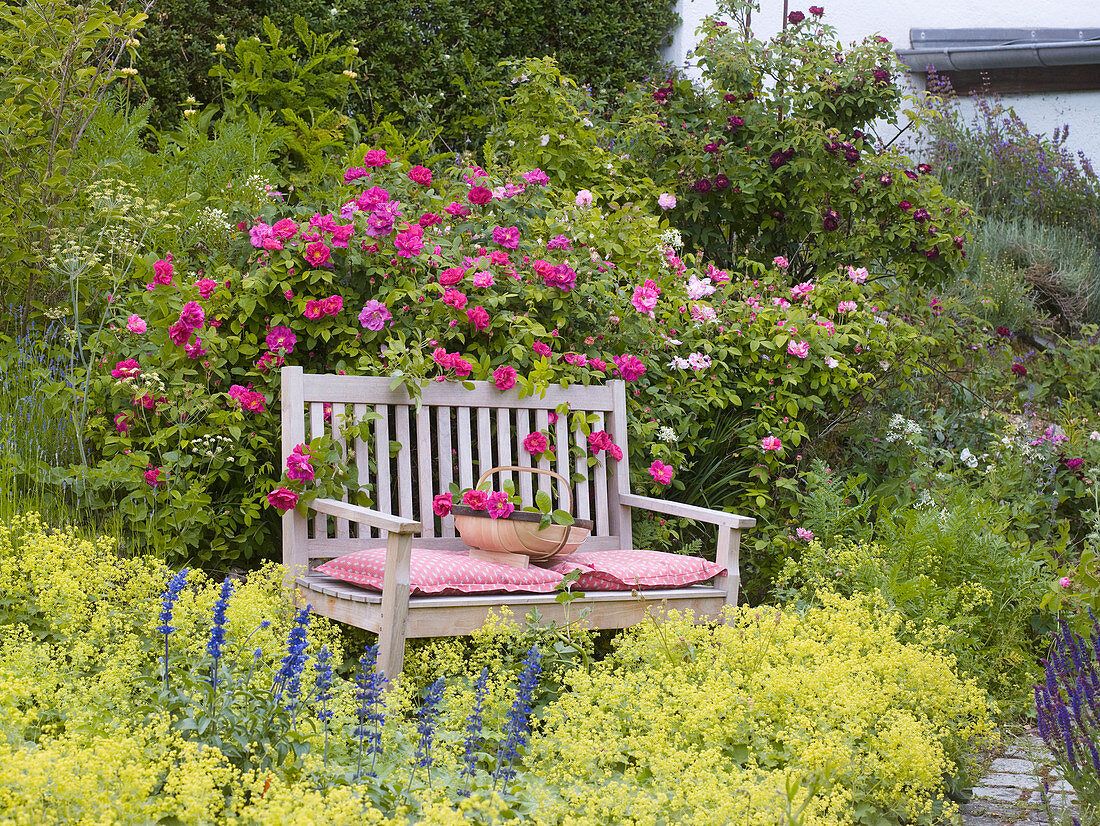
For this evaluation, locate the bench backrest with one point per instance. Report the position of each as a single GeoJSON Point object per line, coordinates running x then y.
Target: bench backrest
{"type": "Point", "coordinates": [454, 435]}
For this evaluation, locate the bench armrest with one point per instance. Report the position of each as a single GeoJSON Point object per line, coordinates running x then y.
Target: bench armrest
{"type": "Point", "coordinates": [708, 515]}
{"type": "Point", "coordinates": [357, 513]}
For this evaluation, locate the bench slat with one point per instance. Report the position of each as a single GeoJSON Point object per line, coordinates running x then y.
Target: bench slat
{"type": "Point", "coordinates": [404, 461]}
{"type": "Point", "coordinates": [504, 443]}
{"type": "Point", "coordinates": [362, 459]}
{"type": "Point", "coordinates": [465, 449]}
{"type": "Point", "coordinates": [382, 497]}
{"type": "Point", "coordinates": [424, 462]}
{"type": "Point", "coordinates": [600, 473]}
{"type": "Point", "coordinates": [581, 509]}
{"type": "Point", "coordinates": [338, 437]}
{"type": "Point", "coordinates": [317, 428]}
{"type": "Point", "coordinates": [446, 463]}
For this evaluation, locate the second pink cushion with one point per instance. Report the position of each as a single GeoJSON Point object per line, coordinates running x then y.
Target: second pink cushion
{"type": "Point", "coordinates": [630, 569]}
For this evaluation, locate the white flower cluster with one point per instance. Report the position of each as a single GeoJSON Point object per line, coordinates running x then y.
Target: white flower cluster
{"type": "Point", "coordinates": [211, 445]}
{"type": "Point", "coordinates": [671, 238]}
{"type": "Point", "coordinates": [666, 434]}
{"type": "Point", "coordinates": [213, 221]}
{"type": "Point", "coordinates": [145, 383]}
{"type": "Point", "coordinates": [901, 429]}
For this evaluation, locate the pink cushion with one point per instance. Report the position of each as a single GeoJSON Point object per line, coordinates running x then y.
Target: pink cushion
{"type": "Point", "coordinates": [627, 570]}
{"type": "Point", "coordinates": [442, 572]}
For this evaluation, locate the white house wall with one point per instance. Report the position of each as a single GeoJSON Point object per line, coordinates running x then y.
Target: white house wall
{"type": "Point", "coordinates": [855, 19]}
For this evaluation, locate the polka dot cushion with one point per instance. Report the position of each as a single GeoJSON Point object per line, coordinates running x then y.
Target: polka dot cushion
{"type": "Point", "coordinates": [441, 573]}
{"type": "Point", "coordinates": [627, 570]}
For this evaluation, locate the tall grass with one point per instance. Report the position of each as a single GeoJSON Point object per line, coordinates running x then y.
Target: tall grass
{"type": "Point", "coordinates": [36, 432]}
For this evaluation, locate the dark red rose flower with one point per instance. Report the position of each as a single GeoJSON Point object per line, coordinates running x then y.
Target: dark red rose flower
{"type": "Point", "coordinates": [1019, 370]}
{"type": "Point", "coordinates": [795, 17]}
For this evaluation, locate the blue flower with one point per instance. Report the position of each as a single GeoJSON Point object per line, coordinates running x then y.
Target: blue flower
{"type": "Point", "coordinates": [168, 601]}
{"type": "Point", "coordinates": [519, 725]}
{"type": "Point", "coordinates": [425, 725]}
{"type": "Point", "coordinates": [323, 683]}
{"type": "Point", "coordinates": [217, 633]}
{"type": "Point", "coordinates": [370, 709]}
{"type": "Point", "coordinates": [473, 731]}
{"type": "Point", "coordinates": [288, 679]}
{"type": "Point", "coordinates": [168, 604]}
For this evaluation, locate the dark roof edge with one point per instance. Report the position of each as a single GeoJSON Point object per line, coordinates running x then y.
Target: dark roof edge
{"type": "Point", "coordinates": [969, 58]}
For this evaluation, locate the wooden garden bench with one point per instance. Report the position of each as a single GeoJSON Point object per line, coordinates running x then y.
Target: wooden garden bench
{"type": "Point", "coordinates": [452, 434]}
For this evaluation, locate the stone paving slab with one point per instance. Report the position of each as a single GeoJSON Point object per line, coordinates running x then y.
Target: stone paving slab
{"type": "Point", "coordinates": [1009, 792]}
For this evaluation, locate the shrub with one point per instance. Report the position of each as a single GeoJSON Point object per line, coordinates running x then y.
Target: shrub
{"type": "Point", "coordinates": [432, 67]}
{"type": "Point", "coordinates": [962, 579]}
{"type": "Point", "coordinates": [758, 168]}
{"type": "Point", "coordinates": [824, 714]}
{"type": "Point", "coordinates": [536, 267]}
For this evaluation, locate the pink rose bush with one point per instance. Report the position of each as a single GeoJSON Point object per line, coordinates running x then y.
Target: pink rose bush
{"type": "Point", "coordinates": [499, 278]}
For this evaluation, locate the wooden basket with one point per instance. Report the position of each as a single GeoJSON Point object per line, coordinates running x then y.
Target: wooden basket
{"type": "Point", "coordinates": [518, 539]}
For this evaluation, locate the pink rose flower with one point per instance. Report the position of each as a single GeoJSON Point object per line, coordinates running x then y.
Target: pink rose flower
{"type": "Point", "coordinates": [536, 443]}
{"type": "Point", "coordinates": [536, 177]}
{"type": "Point", "coordinates": [298, 467]}
{"type": "Point", "coordinates": [562, 276]}
{"type": "Point", "coordinates": [479, 195]}
{"type": "Point", "coordinates": [421, 175]}
{"type": "Point", "coordinates": [332, 305]}
{"type": "Point", "coordinates": [451, 276]}
{"type": "Point", "coordinates": [858, 276]}
{"type": "Point", "coordinates": [136, 325]}
{"type": "Point", "coordinates": [192, 315]}
{"type": "Point", "coordinates": [541, 349]}
{"type": "Point", "coordinates": [846, 307]}
{"type": "Point", "coordinates": [802, 290]}
{"type": "Point", "coordinates": [409, 243]}
{"type": "Point", "coordinates": [583, 199]}
{"type": "Point", "coordinates": [442, 504]}
{"type": "Point", "coordinates": [478, 317]}
{"type": "Point", "coordinates": [498, 505]}
{"type": "Point", "coordinates": [804, 534]}
{"type": "Point", "coordinates": [476, 499]}
{"type": "Point", "coordinates": [798, 348]}
{"type": "Point", "coordinates": [179, 333]}
{"type": "Point", "coordinates": [483, 279]}
{"type": "Point", "coordinates": [126, 369]}
{"type": "Point", "coordinates": [374, 315]}
{"type": "Point", "coordinates": [282, 499]}
{"type": "Point", "coordinates": [666, 200]}
{"type": "Point", "coordinates": [260, 233]}
{"type": "Point", "coordinates": [162, 271]}
{"type": "Point", "coordinates": [342, 234]}
{"type": "Point", "coordinates": [314, 309]}
{"type": "Point", "coordinates": [285, 229]}
{"type": "Point", "coordinates": [354, 173]}
{"type": "Point", "coordinates": [1066, 583]}
{"type": "Point", "coordinates": [599, 441]}
{"type": "Point", "coordinates": [206, 287]}
{"type": "Point", "coordinates": [645, 297]}
{"type": "Point", "coordinates": [504, 378]}
{"type": "Point", "coordinates": [281, 338]}
{"type": "Point", "coordinates": [152, 477]}
{"type": "Point", "coordinates": [454, 298]}
{"type": "Point", "coordinates": [376, 157]}
{"type": "Point", "coordinates": [507, 237]}
{"type": "Point", "coordinates": [615, 452]}
{"type": "Point", "coordinates": [318, 254]}
{"type": "Point", "coordinates": [661, 472]}
{"type": "Point", "coordinates": [629, 367]}
{"type": "Point", "coordinates": [771, 443]}
{"type": "Point", "coordinates": [781, 262]}
{"type": "Point", "coordinates": [122, 422]}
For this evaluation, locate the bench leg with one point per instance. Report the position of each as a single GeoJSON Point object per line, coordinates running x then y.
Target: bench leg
{"type": "Point", "coordinates": [728, 555]}
{"type": "Point", "coordinates": [395, 606]}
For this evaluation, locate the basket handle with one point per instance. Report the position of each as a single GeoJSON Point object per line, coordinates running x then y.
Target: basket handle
{"type": "Point", "coordinates": [567, 530]}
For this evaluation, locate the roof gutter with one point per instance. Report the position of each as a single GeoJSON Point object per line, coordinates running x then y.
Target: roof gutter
{"type": "Point", "coordinates": [1023, 55]}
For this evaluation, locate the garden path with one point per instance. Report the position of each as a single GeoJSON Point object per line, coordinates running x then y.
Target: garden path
{"type": "Point", "coordinates": [1009, 791]}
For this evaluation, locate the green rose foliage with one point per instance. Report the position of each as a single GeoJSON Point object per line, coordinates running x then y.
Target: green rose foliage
{"type": "Point", "coordinates": [773, 153]}
{"type": "Point", "coordinates": [396, 274]}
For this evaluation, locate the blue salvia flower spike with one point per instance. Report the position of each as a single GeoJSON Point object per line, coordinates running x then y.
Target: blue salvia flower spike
{"type": "Point", "coordinates": [370, 709]}
{"type": "Point", "coordinates": [217, 632]}
{"type": "Point", "coordinates": [473, 737]}
{"type": "Point", "coordinates": [168, 604]}
{"type": "Point", "coordinates": [323, 685]}
{"type": "Point", "coordinates": [518, 726]}
{"type": "Point", "coordinates": [425, 727]}
{"type": "Point", "coordinates": [294, 660]}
